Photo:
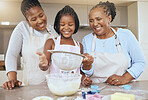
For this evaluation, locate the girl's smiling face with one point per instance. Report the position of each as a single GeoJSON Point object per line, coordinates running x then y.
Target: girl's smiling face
{"type": "Point", "coordinates": [67, 26]}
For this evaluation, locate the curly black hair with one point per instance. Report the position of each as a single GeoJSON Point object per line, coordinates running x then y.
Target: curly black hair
{"type": "Point", "coordinates": [109, 8]}
{"type": "Point", "coordinates": [27, 4]}
{"type": "Point", "coordinates": [67, 10]}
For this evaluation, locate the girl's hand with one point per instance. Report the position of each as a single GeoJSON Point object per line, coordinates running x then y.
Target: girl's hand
{"type": "Point", "coordinates": [9, 85]}
{"type": "Point", "coordinates": [43, 61]}
{"type": "Point", "coordinates": [86, 81]}
{"type": "Point", "coordinates": [87, 61]}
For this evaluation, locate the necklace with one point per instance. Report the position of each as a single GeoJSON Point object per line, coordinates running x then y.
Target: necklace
{"type": "Point", "coordinates": [103, 43]}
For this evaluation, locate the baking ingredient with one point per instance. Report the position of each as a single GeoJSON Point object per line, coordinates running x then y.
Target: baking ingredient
{"type": "Point", "coordinates": [122, 96]}
{"type": "Point", "coordinates": [42, 98]}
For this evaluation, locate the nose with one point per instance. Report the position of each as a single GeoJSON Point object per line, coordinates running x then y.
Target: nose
{"type": "Point", "coordinates": [95, 23]}
{"type": "Point", "coordinates": [40, 20]}
{"type": "Point", "coordinates": [66, 27]}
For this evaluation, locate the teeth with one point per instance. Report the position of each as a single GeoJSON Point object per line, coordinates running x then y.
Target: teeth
{"type": "Point", "coordinates": [66, 32]}
{"type": "Point", "coordinates": [98, 28]}
{"type": "Point", "coordinates": [41, 25]}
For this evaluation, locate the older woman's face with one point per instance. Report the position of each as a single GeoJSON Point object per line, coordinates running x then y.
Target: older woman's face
{"type": "Point", "coordinates": [36, 18]}
{"type": "Point", "coordinates": [99, 21]}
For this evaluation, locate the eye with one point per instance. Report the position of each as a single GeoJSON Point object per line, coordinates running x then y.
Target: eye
{"type": "Point", "coordinates": [90, 20]}
{"type": "Point", "coordinates": [41, 15]}
{"type": "Point", "coordinates": [99, 19]}
{"type": "Point", "coordinates": [61, 24]}
{"type": "Point", "coordinates": [71, 24]}
{"type": "Point", "coordinates": [33, 19]}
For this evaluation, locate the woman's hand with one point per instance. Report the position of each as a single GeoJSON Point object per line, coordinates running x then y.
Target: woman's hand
{"type": "Point", "coordinates": [9, 85]}
{"type": "Point", "coordinates": [87, 61]}
{"type": "Point", "coordinates": [86, 81]}
{"type": "Point", "coordinates": [120, 80]}
{"type": "Point", "coordinates": [43, 61]}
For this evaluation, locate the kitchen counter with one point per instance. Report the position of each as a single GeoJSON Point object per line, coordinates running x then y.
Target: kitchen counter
{"type": "Point", "coordinates": [139, 89]}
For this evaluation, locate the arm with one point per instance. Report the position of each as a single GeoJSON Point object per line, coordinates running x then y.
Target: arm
{"type": "Point", "coordinates": [87, 62]}
{"type": "Point", "coordinates": [14, 48]}
{"type": "Point", "coordinates": [87, 67]}
{"type": "Point", "coordinates": [137, 57]}
{"type": "Point", "coordinates": [137, 62]}
{"type": "Point", "coordinates": [85, 80]}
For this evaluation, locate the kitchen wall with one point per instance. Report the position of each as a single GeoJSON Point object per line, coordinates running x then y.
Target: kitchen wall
{"type": "Point", "coordinates": [143, 33]}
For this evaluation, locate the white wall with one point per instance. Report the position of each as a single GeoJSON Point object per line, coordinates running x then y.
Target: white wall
{"type": "Point", "coordinates": [133, 18]}
{"type": "Point", "coordinates": [143, 33]}
{"type": "Point", "coordinates": [138, 23]}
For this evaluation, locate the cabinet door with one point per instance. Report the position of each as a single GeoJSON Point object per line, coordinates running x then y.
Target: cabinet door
{"type": "Point", "coordinates": [81, 11]}
{"type": "Point", "coordinates": [51, 10]}
{"type": "Point", "coordinates": [121, 18]}
{"type": "Point", "coordinates": [11, 12]}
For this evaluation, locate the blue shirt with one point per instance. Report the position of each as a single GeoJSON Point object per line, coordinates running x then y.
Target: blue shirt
{"type": "Point", "coordinates": [129, 45]}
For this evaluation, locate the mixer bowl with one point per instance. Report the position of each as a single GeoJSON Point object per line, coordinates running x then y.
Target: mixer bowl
{"type": "Point", "coordinates": [63, 84]}
{"type": "Point", "coordinates": [66, 61]}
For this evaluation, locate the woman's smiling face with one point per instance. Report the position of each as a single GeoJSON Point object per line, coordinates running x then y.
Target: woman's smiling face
{"type": "Point", "coordinates": [36, 18]}
{"type": "Point", "coordinates": [99, 21]}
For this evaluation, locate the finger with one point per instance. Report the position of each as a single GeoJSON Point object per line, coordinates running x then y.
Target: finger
{"type": "Point", "coordinates": [9, 85]}
{"type": "Point", "coordinates": [109, 80]}
{"type": "Point", "coordinates": [117, 83]}
{"type": "Point", "coordinates": [5, 85]}
{"type": "Point", "coordinates": [39, 53]}
{"type": "Point", "coordinates": [18, 83]}
{"type": "Point", "coordinates": [13, 84]}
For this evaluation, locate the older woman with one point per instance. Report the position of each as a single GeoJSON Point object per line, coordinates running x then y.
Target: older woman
{"type": "Point", "coordinates": [118, 58]}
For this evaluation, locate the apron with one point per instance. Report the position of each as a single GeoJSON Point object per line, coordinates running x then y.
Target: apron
{"type": "Point", "coordinates": [32, 74]}
{"type": "Point", "coordinates": [68, 48]}
{"type": "Point", "coordinates": [106, 64]}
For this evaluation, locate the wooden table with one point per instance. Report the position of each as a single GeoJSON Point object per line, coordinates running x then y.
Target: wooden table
{"type": "Point", "coordinates": [139, 89]}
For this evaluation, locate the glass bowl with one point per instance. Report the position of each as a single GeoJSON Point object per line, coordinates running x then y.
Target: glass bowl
{"type": "Point", "coordinates": [63, 84]}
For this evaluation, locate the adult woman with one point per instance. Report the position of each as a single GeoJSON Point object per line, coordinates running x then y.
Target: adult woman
{"type": "Point", "coordinates": [28, 37]}
{"type": "Point", "coordinates": [118, 58]}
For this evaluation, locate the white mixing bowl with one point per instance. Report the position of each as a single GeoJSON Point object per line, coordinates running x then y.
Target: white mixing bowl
{"type": "Point", "coordinates": [63, 84]}
{"type": "Point", "coordinates": [66, 61]}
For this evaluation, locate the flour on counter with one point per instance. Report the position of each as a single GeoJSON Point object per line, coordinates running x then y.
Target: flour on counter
{"type": "Point", "coordinates": [42, 97]}
{"type": "Point", "coordinates": [65, 98]}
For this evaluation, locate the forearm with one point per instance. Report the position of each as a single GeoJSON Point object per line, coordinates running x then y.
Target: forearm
{"type": "Point", "coordinates": [128, 77]}
{"type": "Point", "coordinates": [12, 75]}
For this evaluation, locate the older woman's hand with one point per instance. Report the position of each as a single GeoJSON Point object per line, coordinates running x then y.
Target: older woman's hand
{"type": "Point", "coordinates": [120, 80]}
{"type": "Point", "coordinates": [87, 61]}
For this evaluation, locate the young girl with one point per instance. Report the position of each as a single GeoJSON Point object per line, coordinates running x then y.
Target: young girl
{"type": "Point", "coordinates": [66, 24]}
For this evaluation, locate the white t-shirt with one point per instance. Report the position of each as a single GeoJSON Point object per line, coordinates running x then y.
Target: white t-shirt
{"type": "Point", "coordinates": [18, 37]}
